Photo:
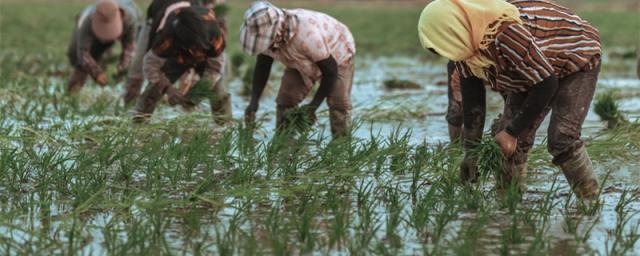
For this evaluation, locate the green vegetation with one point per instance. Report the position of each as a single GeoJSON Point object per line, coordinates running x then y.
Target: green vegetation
{"type": "Point", "coordinates": [607, 108]}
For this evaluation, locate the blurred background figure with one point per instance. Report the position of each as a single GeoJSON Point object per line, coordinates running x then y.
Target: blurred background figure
{"type": "Point", "coordinates": [97, 29]}
{"type": "Point", "coordinates": [156, 10]}
{"type": "Point", "coordinates": [183, 36]}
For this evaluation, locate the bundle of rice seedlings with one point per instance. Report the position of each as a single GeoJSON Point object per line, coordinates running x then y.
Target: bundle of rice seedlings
{"type": "Point", "coordinates": [608, 109]}
{"type": "Point", "coordinates": [297, 120]}
{"type": "Point", "coordinates": [401, 84]}
{"type": "Point", "coordinates": [490, 157]}
{"type": "Point", "coordinates": [200, 91]}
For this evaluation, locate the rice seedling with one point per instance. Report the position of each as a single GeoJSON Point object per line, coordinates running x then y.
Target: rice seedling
{"type": "Point", "coordinates": [200, 91]}
{"type": "Point", "coordinates": [401, 84]}
{"type": "Point", "coordinates": [607, 108]}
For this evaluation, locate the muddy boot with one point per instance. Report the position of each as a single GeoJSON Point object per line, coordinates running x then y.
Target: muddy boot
{"type": "Point", "coordinates": [221, 109]}
{"type": "Point", "coordinates": [579, 173]}
{"type": "Point", "coordinates": [455, 133]}
{"type": "Point", "coordinates": [132, 91]}
{"type": "Point", "coordinates": [513, 174]}
{"type": "Point", "coordinates": [147, 103]}
{"type": "Point", "coordinates": [78, 78]}
{"type": "Point", "coordinates": [340, 123]}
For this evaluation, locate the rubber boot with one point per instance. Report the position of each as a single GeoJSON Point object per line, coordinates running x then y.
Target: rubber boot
{"type": "Point", "coordinates": [221, 109]}
{"type": "Point", "coordinates": [340, 123]}
{"type": "Point", "coordinates": [513, 174]}
{"type": "Point", "coordinates": [147, 103]}
{"type": "Point", "coordinates": [455, 133]}
{"type": "Point", "coordinates": [579, 173]}
{"type": "Point", "coordinates": [133, 91]}
{"type": "Point", "coordinates": [78, 78]}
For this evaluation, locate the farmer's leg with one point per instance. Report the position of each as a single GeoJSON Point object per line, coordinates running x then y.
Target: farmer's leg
{"type": "Point", "coordinates": [454, 109]}
{"type": "Point", "coordinates": [153, 93]}
{"type": "Point", "coordinates": [516, 165]}
{"type": "Point", "coordinates": [570, 108]}
{"type": "Point", "coordinates": [292, 91]}
{"type": "Point", "coordinates": [135, 77]}
{"type": "Point", "coordinates": [221, 100]}
{"type": "Point", "coordinates": [339, 101]}
{"type": "Point", "coordinates": [79, 76]}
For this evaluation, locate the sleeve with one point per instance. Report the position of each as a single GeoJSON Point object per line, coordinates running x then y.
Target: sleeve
{"type": "Point", "coordinates": [84, 40]}
{"type": "Point", "coordinates": [518, 49]}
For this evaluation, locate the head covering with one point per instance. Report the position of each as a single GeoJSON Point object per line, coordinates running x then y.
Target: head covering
{"type": "Point", "coordinates": [106, 21]}
{"type": "Point", "coordinates": [264, 26]}
{"type": "Point", "coordinates": [457, 29]}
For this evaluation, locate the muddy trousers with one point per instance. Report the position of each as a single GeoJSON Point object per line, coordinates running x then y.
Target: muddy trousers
{"type": "Point", "coordinates": [293, 91]}
{"type": "Point", "coordinates": [153, 93]}
{"type": "Point", "coordinates": [569, 108]}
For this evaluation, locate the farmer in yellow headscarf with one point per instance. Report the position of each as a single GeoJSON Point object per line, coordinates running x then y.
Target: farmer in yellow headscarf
{"type": "Point", "coordinates": [542, 57]}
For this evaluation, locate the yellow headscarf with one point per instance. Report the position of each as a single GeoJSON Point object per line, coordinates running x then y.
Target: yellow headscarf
{"type": "Point", "coordinates": [456, 29]}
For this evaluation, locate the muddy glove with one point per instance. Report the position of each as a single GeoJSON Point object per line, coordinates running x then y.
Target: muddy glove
{"type": "Point", "coordinates": [469, 170]}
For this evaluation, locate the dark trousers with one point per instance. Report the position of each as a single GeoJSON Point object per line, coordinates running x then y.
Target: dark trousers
{"type": "Point", "coordinates": [569, 108]}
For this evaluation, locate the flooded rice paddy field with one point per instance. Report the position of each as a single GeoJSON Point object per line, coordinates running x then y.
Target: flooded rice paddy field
{"type": "Point", "coordinates": [78, 176]}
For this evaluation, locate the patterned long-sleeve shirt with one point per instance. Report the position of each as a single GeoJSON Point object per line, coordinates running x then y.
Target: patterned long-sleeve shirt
{"type": "Point", "coordinates": [317, 36]}
{"type": "Point", "coordinates": [165, 49]}
{"type": "Point", "coordinates": [551, 40]}
{"type": "Point", "coordinates": [84, 43]}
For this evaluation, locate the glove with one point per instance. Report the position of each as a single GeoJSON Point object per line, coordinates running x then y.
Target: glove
{"type": "Point", "coordinates": [311, 113]}
{"type": "Point", "coordinates": [175, 98]}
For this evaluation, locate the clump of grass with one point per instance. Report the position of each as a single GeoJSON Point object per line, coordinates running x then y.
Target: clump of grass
{"type": "Point", "coordinates": [401, 84]}
{"type": "Point", "coordinates": [200, 91]}
{"type": "Point", "coordinates": [247, 81]}
{"type": "Point", "coordinates": [608, 109]}
{"type": "Point", "coordinates": [297, 120]}
{"type": "Point", "coordinates": [237, 60]}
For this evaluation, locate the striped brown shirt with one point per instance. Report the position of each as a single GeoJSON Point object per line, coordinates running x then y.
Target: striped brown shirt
{"type": "Point", "coordinates": [552, 39]}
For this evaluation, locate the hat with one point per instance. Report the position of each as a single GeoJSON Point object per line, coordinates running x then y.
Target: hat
{"type": "Point", "coordinates": [261, 23]}
{"type": "Point", "coordinates": [106, 21]}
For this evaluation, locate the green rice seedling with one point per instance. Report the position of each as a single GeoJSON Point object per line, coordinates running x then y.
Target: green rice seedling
{"type": "Point", "coordinates": [200, 91]}
{"type": "Point", "coordinates": [606, 106]}
{"type": "Point", "coordinates": [626, 234]}
{"type": "Point", "coordinates": [401, 84]}
{"type": "Point", "coordinates": [298, 120]}
{"type": "Point", "coordinates": [490, 157]}
{"type": "Point", "coordinates": [394, 218]}
{"type": "Point", "coordinates": [237, 60]}
{"type": "Point", "coordinates": [247, 80]}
